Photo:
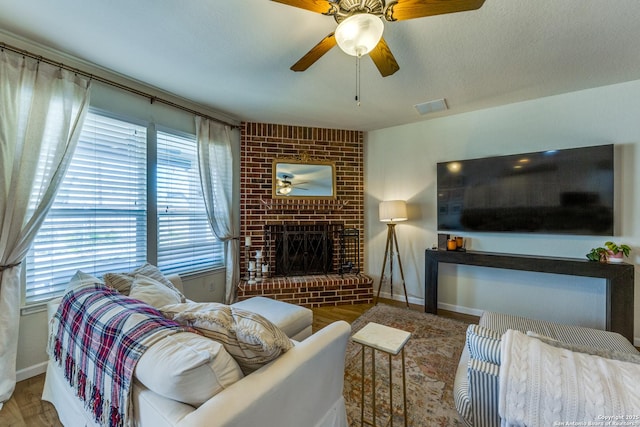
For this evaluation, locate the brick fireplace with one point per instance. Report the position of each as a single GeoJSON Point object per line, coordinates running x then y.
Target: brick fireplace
{"type": "Point", "coordinates": [334, 278]}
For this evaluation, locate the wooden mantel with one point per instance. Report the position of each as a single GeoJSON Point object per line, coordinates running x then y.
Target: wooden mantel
{"type": "Point", "coordinates": [619, 279]}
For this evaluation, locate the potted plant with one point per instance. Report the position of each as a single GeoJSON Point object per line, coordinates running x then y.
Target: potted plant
{"type": "Point", "coordinates": [616, 253]}
{"type": "Point", "coordinates": [612, 252]}
{"type": "Point", "coordinates": [597, 254]}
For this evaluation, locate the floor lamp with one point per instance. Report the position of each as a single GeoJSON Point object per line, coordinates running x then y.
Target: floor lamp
{"type": "Point", "coordinates": [392, 211]}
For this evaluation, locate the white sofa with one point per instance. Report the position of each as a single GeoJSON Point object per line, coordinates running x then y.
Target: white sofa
{"type": "Point", "coordinates": [302, 387]}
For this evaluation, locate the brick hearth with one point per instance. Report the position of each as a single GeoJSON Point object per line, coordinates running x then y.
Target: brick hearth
{"type": "Point", "coordinates": [312, 291]}
{"type": "Point", "coordinates": [260, 144]}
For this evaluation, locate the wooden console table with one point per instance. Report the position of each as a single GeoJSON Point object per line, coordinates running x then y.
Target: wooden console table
{"type": "Point", "coordinates": [619, 279]}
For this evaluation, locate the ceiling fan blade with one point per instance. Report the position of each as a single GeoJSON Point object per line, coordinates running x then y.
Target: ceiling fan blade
{"type": "Point", "coordinates": [409, 9]}
{"type": "Point", "coordinates": [320, 6]}
{"type": "Point", "coordinates": [315, 53]}
{"type": "Point", "coordinates": [383, 58]}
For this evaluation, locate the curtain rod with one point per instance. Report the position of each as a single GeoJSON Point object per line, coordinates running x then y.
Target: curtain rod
{"type": "Point", "coordinates": [152, 98]}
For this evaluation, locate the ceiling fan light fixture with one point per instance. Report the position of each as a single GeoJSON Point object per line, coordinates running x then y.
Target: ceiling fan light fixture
{"type": "Point", "coordinates": [359, 34]}
{"type": "Point", "coordinates": [285, 190]}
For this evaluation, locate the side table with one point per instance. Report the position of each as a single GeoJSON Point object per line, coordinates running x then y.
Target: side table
{"type": "Point", "coordinates": [388, 340]}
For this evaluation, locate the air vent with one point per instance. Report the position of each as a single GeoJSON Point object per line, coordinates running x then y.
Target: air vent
{"type": "Point", "coordinates": [431, 106]}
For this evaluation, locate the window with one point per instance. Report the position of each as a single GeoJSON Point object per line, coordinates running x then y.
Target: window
{"type": "Point", "coordinates": [185, 240]}
{"type": "Point", "coordinates": [98, 221]}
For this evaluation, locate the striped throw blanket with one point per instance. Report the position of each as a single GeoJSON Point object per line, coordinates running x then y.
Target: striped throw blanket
{"type": "Point", "coordinates": [97, 337]}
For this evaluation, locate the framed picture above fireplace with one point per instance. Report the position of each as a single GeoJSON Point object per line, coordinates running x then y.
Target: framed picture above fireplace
{"type": "Point", "coordinates": [303, 177]}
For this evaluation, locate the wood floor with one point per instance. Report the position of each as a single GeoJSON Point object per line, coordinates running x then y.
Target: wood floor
{"type": "Point", "coordinates": [26, 409]}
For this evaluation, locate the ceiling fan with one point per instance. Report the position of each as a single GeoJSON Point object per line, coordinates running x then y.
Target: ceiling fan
{"type": "Point", "coordinates": [360, 25]}
{"type": "Point", "coordinates": [285, 185]}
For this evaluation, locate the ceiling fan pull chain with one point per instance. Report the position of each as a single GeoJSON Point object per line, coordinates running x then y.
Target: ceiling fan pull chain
{"type": "Point", "coordinates": [358, 80]}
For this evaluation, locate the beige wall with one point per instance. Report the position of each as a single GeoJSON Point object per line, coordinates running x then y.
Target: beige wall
{"type": "Point", "coordinates": [400, 162]}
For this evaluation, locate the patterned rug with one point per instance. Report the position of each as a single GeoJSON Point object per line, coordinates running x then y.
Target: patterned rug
{"type": "Point", "coordinates": [431, 359]}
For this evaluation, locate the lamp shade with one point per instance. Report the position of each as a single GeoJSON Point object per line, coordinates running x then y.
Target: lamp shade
{"type": "Point", "coordinates": [359, 34]}
{"type": "Point", "coordinates": [393, 211]}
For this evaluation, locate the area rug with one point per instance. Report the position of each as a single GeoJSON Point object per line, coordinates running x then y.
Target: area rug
{"type": "Point", "coordinates": [431, 359]}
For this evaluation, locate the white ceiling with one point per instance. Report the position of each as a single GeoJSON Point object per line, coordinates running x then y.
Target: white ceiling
{"type": "Point", "coordinates": [234, 56]}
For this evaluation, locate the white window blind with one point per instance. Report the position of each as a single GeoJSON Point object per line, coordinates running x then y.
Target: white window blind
{"type": "Point", "coordinates": [186, 242]}
{"type": "Point", "coordinates": [97, 222]}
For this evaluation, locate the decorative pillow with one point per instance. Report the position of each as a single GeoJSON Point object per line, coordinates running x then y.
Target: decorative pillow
{"type": "Point", "coordinates": [153, 292]}
{"type": "Point", "coordinates": [602, 352]}
{"type": "Point", "coordinates": [483, 344]}
{"type": "Point", "coordinates": [252, 340]}
{"type": "Point", "coordinates": [81, 279]}
{"type": "Point", "coordinates": [122, 282]}
{"type": "Point", "coordinates": [483, 331]}
{"type": "Point", "coordinates": [187, 367]}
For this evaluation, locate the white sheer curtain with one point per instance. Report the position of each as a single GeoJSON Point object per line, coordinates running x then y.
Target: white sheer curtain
{"type": "Point", "coordinates": [42, 109]}
{"type": "Point", "coordinates": [215, 160]}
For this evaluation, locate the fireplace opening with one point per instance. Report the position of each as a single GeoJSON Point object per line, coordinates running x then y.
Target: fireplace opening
{"type": "Point", "coordinates": [307, 249]}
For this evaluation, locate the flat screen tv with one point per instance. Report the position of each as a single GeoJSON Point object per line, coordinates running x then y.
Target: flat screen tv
{"type": "Point", "coordinates": [566, 191]}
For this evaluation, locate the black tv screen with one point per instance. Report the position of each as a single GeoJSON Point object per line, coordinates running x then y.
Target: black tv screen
{"type": "Point", "coordinates": [566, 191]}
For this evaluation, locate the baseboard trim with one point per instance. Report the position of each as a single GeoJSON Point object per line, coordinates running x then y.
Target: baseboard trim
{"type": "Point", "coordinates": [31, 371]}
{"type": "Point", "coordinates": [396, 297]}
{"type": "Point", "coordinates": [420, 301]}
{"type": "Point", "coordinates": [460, 309]}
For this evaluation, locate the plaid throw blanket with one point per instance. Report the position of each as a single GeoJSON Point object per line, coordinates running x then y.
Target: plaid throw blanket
{"type": "Point", "coordinates": [97, 337]}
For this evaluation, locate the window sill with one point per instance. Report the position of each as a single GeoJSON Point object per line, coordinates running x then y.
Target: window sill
{"type": "Point", "coordinates": [201, 273]}
{"type": "Point", "coordinates": [30, 309]}
{"type": "Point", "coordinates": [27, 310]}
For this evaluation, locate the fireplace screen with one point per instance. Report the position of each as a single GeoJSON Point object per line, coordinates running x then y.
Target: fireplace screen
{"type": "Point", "coordinates": [299, 250]}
